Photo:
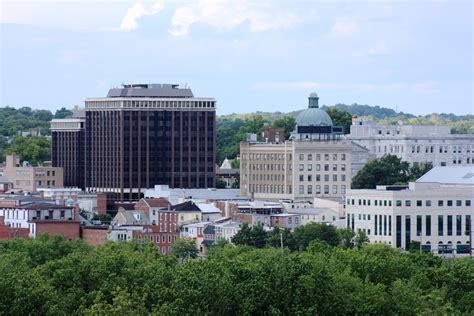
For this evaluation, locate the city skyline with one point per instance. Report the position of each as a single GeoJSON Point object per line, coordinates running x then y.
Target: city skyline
{"type": "Point", "coordinates": [265, 57]}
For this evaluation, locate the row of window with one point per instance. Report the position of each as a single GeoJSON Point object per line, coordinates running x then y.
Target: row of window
{"type": "Point", "coordinates": [408, 203]}
{"type": "Point", "coordinates": [309, 177]}
{"type": "Point", "coordinates": [326, 167]}
{"type": "Point", "coordinates": [309, 189]}
{"type": "Point", "coordinates": [309, 157]}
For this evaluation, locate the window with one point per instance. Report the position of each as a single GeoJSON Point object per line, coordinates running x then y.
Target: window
{"type": "Point", "coordinates": [450, 225]}
{"type": "Point", "coordinates": [343, 189]}
{"type": "Point", "coordinates": [440, 202]}
{"type": "Point", "coordinates": [343, 167]}
{"type": "Point", "coordinates": [310, 189]}
{"type": "Point", "coordinates": [440, 225]}
{"type": "Point", "coordinates": [318, 157]}
{"type": "Point", "coordinates": [63, 214]}
{"type": "Point", "coordinates": [301, 178]}
{"type": "Point", "coordinates": [468, 225]}
{"type": "Point", "coordinates": [301, 167]}
{"type": "Point", "coordinates": [318, 177]}
{"type": "Point", "coordinates": [334, 157]}
{"type": "Point", "coordinates": [334, 177]}
{"type": "Point", "coordinates": [428, 225]}
{"type": "Point", "coordinates": [458, 203]}
{"type": "Point", "coordinates": [326, 157]}
{"type": "Point", "coordinates": [450, 202]}
{"type": "Point", "coordinates": [334, 189]}
{"type": "Point", "coordinates": [334, 167]}
{"type": "Point", "coordinates": [326, 177]}
{"type": "Point", "coordinates": [419, 203]}
{"type": "Point", "coordinates": [468, 202]}
{"type": "Point", "coordinates": [418, 225]}
{"type": "Point", "coordinates": [301, 157]}
{"type": "Point", "coordinates": [301, 189]}
{"type": "Point", "coordinates": [326, 189]}
{"type": "Point", "coordinates": [310, 157]}
{"type": "Point", "coordinates": [343, 177]}
{"type": "Point", "coordinates": [407, 203]}
{"type": "Point", "coordinates": [318, 167]}
{"type": "Point", "coordinates": [399, 203]}
{"type": "Point", "coordinates": [310, 167]}
{"type": "Point", "coordinates": [343, 157]}
{"type": "Point", "coordinates": [428, 203]}
{"type": "Point", "coordinates": [326, 167]}
{"type": "Point", "coordinates": [318, 189]}
{"type": "Point", "coordinates": [310, 178]}
{"type": "Point", "coordinates": [458, 225]}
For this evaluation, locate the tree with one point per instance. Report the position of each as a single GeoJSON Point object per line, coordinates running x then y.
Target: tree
{"type": "Point", "coordinates": [185, 248]}
{"type": "Point", "coordinates": [287, 122]}
{"type": "Point", "coordinates": [340, 118]}
{"type": "Point", "coordinates": [34, 149]}
{"type": "Point", "coordinates": [254, 236]}
{"type": "Point", "coordinates": [419, 170]}
{"type": "Point", "coordinates": [303, 235]}
{"type": "Point", "coordinates": [360, 239]}
{"type": "Point", "coordinates": [62, 113]}
{"type": "Point", "coordinates": [220, 184]}
{"type": "Point", "coordinates": [388, 170]}
{"type": "Point", "coordinates": [346, 236]}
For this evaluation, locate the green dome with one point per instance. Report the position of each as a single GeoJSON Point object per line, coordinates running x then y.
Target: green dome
{"type": "Point", "coordinates": [313, 117]}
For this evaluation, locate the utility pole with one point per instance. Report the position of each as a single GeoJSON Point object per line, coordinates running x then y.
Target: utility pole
{"type": "Point", "coordinates": [281, 239]}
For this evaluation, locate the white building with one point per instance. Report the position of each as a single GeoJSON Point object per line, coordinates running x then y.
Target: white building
{"type": "Point", "coordinates": [438, 215]}
{"type": "Point", "coordinates": [415, 143]}
{"type": "Point", "coordinates": [316, 215]}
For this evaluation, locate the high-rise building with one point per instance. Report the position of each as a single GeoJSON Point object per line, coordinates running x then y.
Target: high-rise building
{"type": "Point", "coordinates": [67, 150]}
{"type": "Point", "coordinates": [141, 135]}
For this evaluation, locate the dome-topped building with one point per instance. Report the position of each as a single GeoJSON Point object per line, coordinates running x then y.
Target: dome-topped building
{"type": "Point", "coordinates": [313, 115]}
{"type": "Point", "coordinates": [314, 123]}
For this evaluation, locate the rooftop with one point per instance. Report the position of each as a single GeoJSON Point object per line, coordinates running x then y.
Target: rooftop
{"type": "Point", "coordinates": [154, 90]}
{"type": "Point", "coordinates": [449, 175]}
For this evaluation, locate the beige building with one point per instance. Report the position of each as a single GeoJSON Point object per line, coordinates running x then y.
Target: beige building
{"type": "Point", "coordinates": [315, 162]}
{"type": "Point", "coordinates": [28, 178]}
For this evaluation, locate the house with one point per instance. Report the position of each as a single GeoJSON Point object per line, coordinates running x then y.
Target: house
{"type": "Point", "coordinates": [188, 212]}
{"type": "Point", "coordinates": [209, 212]}
{"type": "Point", "coordinates": [285, 220]}
{"type": "Point", "coordinates": [40, 216]}
{"type": "Point", "coordinates": [153, 207]}
{"type": "Point", "coordinates": [6, 184]}
{"type": "Point", "coordinates": [124, 217]}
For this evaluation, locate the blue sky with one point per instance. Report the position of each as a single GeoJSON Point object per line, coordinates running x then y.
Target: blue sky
{"type": "Point", "coordinates": [414, 56]}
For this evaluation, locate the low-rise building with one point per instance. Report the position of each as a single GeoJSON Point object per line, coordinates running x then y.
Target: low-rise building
{"type": "Point", "coordinates": [29, 178]}
{"type": "Point", "coordinates": [437, 215]}
{"type": "Point", "coordinates": [316, 215]}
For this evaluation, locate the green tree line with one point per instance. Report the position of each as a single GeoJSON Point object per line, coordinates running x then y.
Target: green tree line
{"type": "Point", "coordinates": [50, 276]}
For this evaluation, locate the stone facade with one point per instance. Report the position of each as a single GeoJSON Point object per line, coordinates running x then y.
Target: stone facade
{"type": "Point", "coordinates": [415, 144]}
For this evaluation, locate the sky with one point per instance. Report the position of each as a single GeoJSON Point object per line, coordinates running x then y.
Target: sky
{"type": "Point", "coordinates": [251, 55]}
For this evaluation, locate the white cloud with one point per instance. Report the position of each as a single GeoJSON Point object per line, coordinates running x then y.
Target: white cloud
{"type": "Point", "coordinates": [228, 14]}
{"type": "Point", "coordinates": [136, 12]}
{"type": "Point", "coordinates": [344, 27]}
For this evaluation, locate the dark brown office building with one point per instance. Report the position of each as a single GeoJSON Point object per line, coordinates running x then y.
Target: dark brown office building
{"type": "Point", "coordinates": [67, 150]}
{"type": "Point", "coordinates": [147, 134]}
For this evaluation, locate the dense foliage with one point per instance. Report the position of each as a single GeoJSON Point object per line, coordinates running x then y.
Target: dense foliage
{"type": "Point", "coordinates": [52, 276]}
{"type": "Point", "coordinates": [34, 149]}
{"type": "Point", "coordinates": [388, 170]}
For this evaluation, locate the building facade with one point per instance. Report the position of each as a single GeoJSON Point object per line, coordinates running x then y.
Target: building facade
{"type": "Point", "coordinates": [28, 178]}
{"type": "Point", "coordinates": [315, 162]}
{"type": "Point", "coordinates": [415, 144]}
{"type": "Point", "coordinates": [67, 148]}
{"type": "Point", "coordinates": [138, 136]}
{"type": "Point", "coordinates": [142, 135]}
{"type": "Point", "coordinates": [438, 216]}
